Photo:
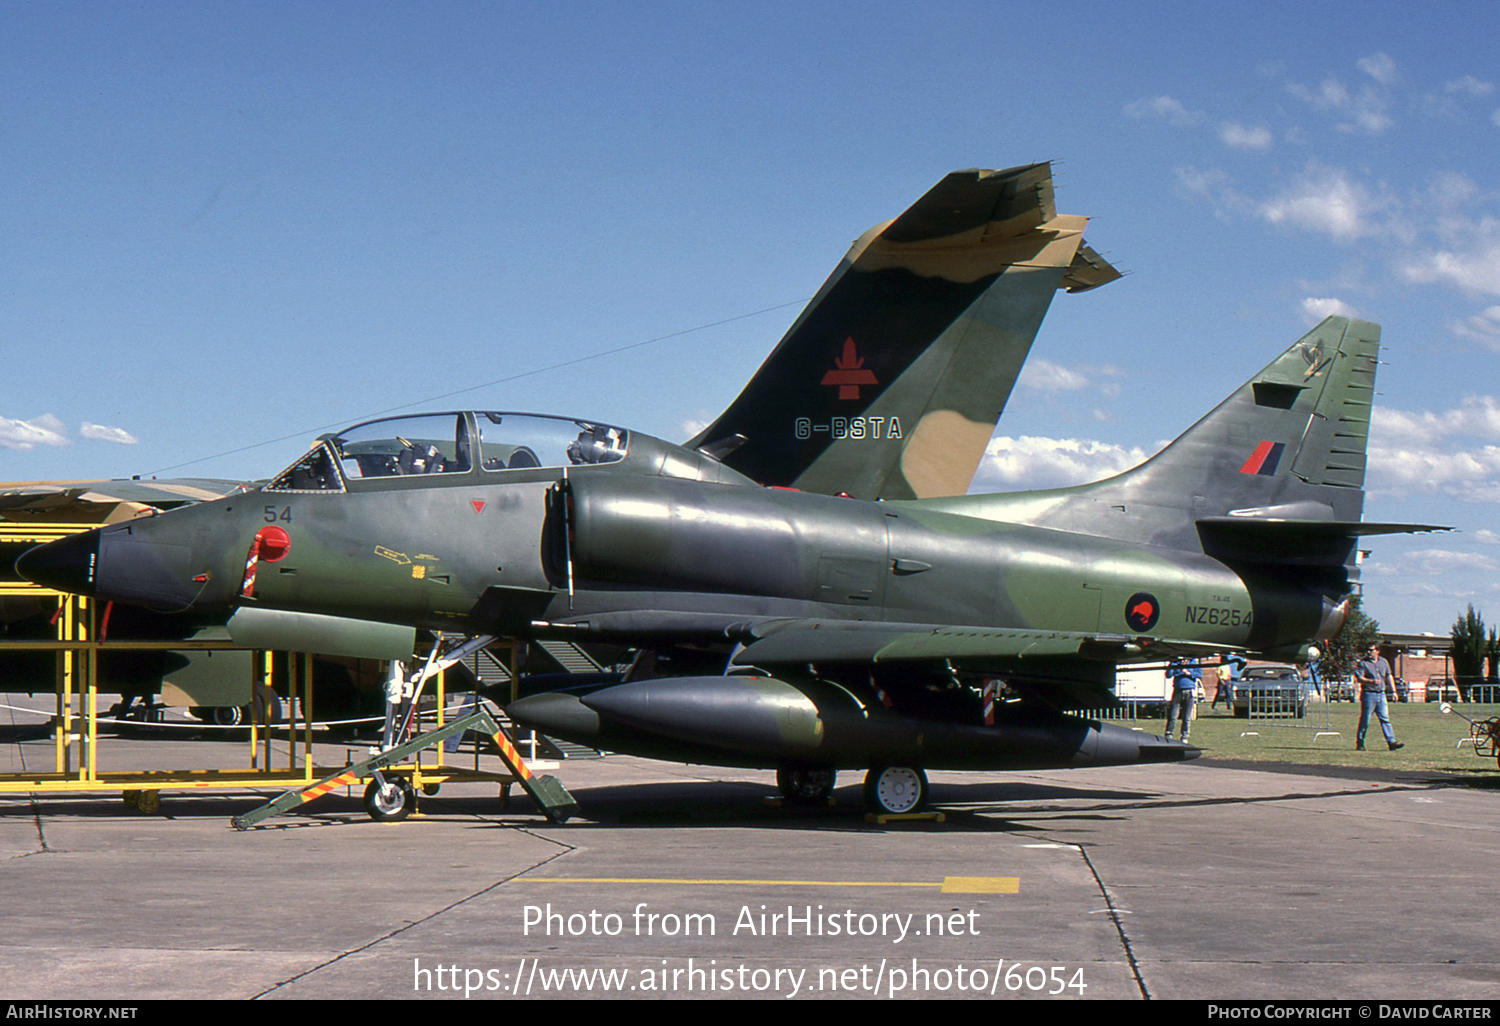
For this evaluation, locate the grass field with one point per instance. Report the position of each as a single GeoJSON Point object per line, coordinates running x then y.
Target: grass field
{"type": "Point", "coordinates": [1430, 738]}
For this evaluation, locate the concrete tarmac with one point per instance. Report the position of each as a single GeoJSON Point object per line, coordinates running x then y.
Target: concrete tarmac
{"type": "Point", "coordinates": [1170, 881]}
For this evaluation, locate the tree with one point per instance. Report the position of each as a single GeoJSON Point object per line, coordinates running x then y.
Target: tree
{"type": "Point", "coordinates": [1349, 645]}
{"type": "Point", "coordinates": [1470, 646]}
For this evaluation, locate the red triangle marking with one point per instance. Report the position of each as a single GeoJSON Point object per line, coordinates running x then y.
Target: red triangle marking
{"type": "Point", "coordinates": [478, 505]}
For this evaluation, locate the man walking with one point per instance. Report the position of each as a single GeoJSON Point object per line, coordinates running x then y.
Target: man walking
{"type": "Point", "coordinates": [1185, 677]}
{"type": "Point", "coordinates": [1374, 675]}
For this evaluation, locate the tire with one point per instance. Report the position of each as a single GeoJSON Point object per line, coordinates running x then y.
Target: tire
{"type": "Point", "coordinates": [228, 715]}
{"type": "Point", "coordinates": [894, 790]}
{"type": "Point", "coordinates": [806, 783]}
{"type": "Point", "coordinates": [393, 803]}
{"type": "Point", "coordinates": [149, 802]}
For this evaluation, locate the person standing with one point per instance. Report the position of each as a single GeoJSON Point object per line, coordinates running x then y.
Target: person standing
{"type": "Point", "coordinates": [1185, 677]}
{"type": "Point", "coordinates": [1374, 674]}
{"type": "Point", "coordinates": [1229, 672]}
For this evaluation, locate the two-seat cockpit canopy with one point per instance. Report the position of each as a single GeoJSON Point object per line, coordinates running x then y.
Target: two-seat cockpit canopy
{"type": "Point", "coordinates": [451, 444]}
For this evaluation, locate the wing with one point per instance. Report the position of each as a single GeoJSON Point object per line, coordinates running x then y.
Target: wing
{"type": "Point", "coordinates": [1059, 668]}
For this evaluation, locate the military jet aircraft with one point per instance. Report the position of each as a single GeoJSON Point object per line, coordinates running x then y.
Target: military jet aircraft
{"type": "Point", "coordinates": [858, 622]}
{"type": "Point", "coordinates": [849, 633]}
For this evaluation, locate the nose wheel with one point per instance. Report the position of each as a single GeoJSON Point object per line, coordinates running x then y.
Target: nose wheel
{"type": "Point", "coordinates": [893, 790]}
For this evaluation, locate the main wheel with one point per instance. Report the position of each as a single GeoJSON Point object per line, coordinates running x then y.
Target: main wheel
{"type": "Point", "coordinates": [895, 789]}
{"type": "Point", "coordinates": [395, 801]}
{"type": "Point", "coordinates": [806, 783]}
{"type": "Point", "coordinates": [228, 715]}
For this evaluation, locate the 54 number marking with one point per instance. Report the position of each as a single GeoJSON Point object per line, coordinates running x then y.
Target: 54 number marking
{"type": "Point", "coordinates": [273, 514]}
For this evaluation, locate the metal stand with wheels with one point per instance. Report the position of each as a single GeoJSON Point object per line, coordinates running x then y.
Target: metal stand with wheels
{"type": "Point", "coordinates": [390, 798]}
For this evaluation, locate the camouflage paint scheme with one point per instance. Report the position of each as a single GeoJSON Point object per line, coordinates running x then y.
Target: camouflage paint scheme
{"type": "Point", "coordinates": [836, 631]}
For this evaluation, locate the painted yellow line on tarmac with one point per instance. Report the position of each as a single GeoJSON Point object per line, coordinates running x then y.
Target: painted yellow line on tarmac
{"type": "Point", "coordinates": [948, 885]}
{"type": "Point", "coordinates": [981, 885]}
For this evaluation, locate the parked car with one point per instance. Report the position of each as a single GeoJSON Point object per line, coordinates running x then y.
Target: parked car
{"type": "Point", "coordinates": [1272, 690]}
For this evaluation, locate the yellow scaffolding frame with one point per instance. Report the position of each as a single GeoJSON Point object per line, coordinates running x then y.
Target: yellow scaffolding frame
{"type": "Point", "coordinates": [75, 723]}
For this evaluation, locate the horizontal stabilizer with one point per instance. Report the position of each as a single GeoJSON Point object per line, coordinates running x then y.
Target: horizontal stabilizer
{"type": "Point", "coordinates": [1288, 542]}
{"type": "Point", "coordinates": [1270, 529]}
{"type": "Point", "coordinates": [1088, 270]}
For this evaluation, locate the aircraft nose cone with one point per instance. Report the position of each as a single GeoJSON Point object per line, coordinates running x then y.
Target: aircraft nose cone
{"type": "Point", "coordinates": [67, 564]}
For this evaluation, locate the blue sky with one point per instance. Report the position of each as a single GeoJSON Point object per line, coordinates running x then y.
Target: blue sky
{"type": "Point", "coordinates": [237, 224]}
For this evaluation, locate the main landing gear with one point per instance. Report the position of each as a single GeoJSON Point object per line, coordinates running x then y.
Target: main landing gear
{"type": "Point", "coordinates": [894, 790]}
{"type": "Point", "coordinates": [889, 790]}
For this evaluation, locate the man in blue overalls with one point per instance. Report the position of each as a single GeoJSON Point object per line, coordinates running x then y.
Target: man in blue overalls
{"type": "Point", "coordinates": [1185, 677]}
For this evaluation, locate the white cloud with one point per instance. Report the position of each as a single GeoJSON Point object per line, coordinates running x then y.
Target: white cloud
{"type": "Point", "coordinates": [1378, 66]}
{"type": "Point", "coordinates": [1046, 376]}
{"type": "Point", "coordinates": [1472, 263]}
{"type": "Point", "coordinates": [1213, 185]}
{"type": "Point", "coordinates": [101, 433]}
{"type": "Point", "coordinates": [1469, 86]}
{"type": "Point", "coordinates": [27, 434]}
{"type": "Point", "coordinates": [1326, 199]}
{"type": "Point", "coordinates": [1487, 537]}
{"type": "Point", "coordinates": [1495, 117]}
{"type": "Point", "coordinates": [1476, 415]}
{"type": "Point", "coordinates": [1433, 562]}
{"type": "Point", "coordinates": [693, 425]}
{"type": "Point", "coordinates": [1483, 327]}
{"type": "Point", "coordinates": [1238, 137]}
{"type": "Point", "coordinates": [1364, 109]}
{"type": "Point", "coordinates": [1315, 309]}
{"type": "Point", "coordinates": [1331, 95]}
{"type": "Point", "coordinates": [1034, 462]}
{"type": "Point", "coordinates": [1451, 452]}
{"type": "Point", "coordinates": [1166, 108]}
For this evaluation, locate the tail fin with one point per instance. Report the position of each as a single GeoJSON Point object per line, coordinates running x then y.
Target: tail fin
{"type": "Point", "coordinates": [891, 381]}
{"type": "Point", "coordinates": [1275, 473]}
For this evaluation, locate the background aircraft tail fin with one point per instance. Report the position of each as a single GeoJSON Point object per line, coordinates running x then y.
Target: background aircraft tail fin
{"type": "Point", "coordinates": [890, 382]}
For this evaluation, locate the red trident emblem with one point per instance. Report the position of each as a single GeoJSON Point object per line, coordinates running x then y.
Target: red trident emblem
{"type": "Point", "coordinates": [849, 372]}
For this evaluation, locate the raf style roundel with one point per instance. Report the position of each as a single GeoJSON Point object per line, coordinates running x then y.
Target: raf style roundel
{"type": "Point", "coordinates": [1142, 611]}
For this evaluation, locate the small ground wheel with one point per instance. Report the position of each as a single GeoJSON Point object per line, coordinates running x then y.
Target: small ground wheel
{"type": "Point", "coordinates": [392, 802]}
{"type": "Point", "coordinates": [148, 801]}
{"type": "Point", "coordinates": [131, 798]}
{"type": "Point", "coordinates": [893, 790]}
